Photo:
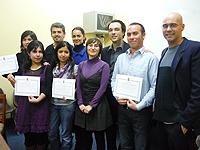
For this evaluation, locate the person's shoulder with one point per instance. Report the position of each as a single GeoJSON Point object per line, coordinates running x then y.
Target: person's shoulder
{"type": "Point", "coordinates": [49, 47]}
{"type": "Point", "coordinates": [70, 45]}
{"type": "Point", "coordinates": [126, 45]}
{"type": "Point", "coordinates": [19, 54]}
{"type": "Point", "coordinates": [82, 63]}
{"type": "Point", "coordinates": [103, 62]}
{"type": "Point", "coordinates": [47, 67]}
{"type": "Point", "coordinates": [195, 43]}
{"type": "Point", "coordinates": [106, 48]}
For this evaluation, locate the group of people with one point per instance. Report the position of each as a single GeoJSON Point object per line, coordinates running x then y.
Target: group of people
{"type": "Point", "coordinates": [167, 116]}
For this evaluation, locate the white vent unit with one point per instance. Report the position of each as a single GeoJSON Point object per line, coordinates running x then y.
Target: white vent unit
{"type": "Point", "coordinates": [95, 22]}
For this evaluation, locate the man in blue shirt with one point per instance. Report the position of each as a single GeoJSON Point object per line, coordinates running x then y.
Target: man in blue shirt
{"type": "Point", "coordinates": [134, 117]}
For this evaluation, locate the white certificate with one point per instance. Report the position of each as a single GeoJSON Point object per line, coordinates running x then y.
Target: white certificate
{"type": "Point", "coordinates": [128, 87]}
{"type": "Point", "coordinates": [27, 86]}
{"type": "Point", "coordinates": [8, 64]}
{"type": "Point", "coordinates": [63, 88]}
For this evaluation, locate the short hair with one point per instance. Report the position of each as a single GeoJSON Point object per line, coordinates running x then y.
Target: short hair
{"type": "Point", "coordinates": [94, 40]}
{"type": "Point", "coordinates": [25, 34]}
{"type": "Point", "coordinates": [136, 23]}
{"type": "Point", "coordinates": [58, 25]}
{"type": "Point", "coordinates": [123, 26]}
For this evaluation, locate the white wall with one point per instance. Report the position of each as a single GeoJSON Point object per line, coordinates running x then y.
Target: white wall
{"type": "Point", "coordinates": [38, 15]}
{"type": "Point", "coordinates": [17, 16]}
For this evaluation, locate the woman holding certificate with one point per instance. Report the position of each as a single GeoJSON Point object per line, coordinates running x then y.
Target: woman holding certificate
{"type": "Point", "coordinates": [92, 114]}
{"type": "Point", "coordinates": [62, 109]}
{"type": "Point", "coordinates": [32, 117]}
{"type": "Point", "coordinates": [26, 37]}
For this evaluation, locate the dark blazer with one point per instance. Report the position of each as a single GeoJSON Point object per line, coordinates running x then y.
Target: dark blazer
{"type": "Point", "coordinates": [186, 75]}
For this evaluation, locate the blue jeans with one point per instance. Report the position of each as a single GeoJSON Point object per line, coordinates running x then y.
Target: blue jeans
{"type": "Point", "coordinates": [62, 116]}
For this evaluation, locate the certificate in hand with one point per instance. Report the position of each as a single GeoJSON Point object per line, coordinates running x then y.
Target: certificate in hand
{"type": "Point", "coordinates": [8, 64]}
{"type": "Point", "coordinates": [63, 88]}
{"type": "Point", "coordinates": [128, 87]}
{"type": "Point", "coordinates": [27, 86]}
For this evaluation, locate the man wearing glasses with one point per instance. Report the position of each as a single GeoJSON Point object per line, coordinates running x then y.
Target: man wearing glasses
{"type": "Point", "coordinates": [177, 104]}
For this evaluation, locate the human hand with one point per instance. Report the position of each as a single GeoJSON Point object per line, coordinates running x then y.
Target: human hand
{"type": "Point", "coordinates": [32, 99]}
{"type": "Point", "coordinates": [82, 107]}
{"type": "Point", "coordinates": [122, 101]}
{"type": "Point", "coordinates": [184, 130]}
{"type": "Point", "coordinates": [46, 63]}
{"type": "Point", "coordinates": [88, 108]}
{"type": "Point", "coordinates": [131, 104]}
{"type": "Point", "coordinates": [11, 78]}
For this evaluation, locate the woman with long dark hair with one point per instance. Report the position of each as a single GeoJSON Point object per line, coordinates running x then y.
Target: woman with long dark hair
{"type": "Point", "coordinates": [62, 109]}
{"type": "Point", "coordinates": [26, 37]}
{"type": "Point", "coordinates": [32, 116]}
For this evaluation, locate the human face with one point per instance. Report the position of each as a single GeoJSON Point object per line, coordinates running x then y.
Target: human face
{"type": "Point", "coordinates": [77, 37]}
{"type": "Point", "coordinates": [93, 50]}
{"type": "Point", "coordinates": [63, 55]}
{"type": "Point", "coordinates": [135, 37]}
{"type": "Point", "coordinates": [36, 56]}
{"type": "Point", "coordinates": [25, 41]}
{"type": "Point", "coordinates": [172, 29]}
{"type": "Point", "coordinates": [115, 32]}
{"type": "Point", "coordinates": [57, 34]}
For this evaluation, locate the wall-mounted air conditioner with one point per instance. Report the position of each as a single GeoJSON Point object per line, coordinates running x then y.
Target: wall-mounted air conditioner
{"type": "Point", "coordinates": [96, 22]}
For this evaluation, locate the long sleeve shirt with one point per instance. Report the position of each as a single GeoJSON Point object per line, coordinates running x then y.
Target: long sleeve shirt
{"type": "Point", "coordinates": [139, 64]}
{"type": "Point", "coordinates": [87, 69]}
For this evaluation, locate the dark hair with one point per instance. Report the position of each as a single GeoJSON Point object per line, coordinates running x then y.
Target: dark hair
{"type": "Point", "coordinates": [33, 45]}
{"type": "Point", "coordinates": [136, 23]}
{"type": "Point", "coordinates": [25, 34]}
{"type": "Point", "coordinates": [82, 31]}
{"type": "Point", "coordinates": [94, 40]}
{"type": "Point", "coordinates": [58, 25]}
{"type": "Point", "coordinates": [123, 26]}
{"type": "Point", "coordinates": [69, 47]}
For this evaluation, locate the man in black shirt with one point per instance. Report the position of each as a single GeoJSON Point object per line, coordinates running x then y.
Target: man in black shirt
{"type": "Point", "coordinates": [116, 31]}
{"type": "Point", "coordinates": [58, 35]}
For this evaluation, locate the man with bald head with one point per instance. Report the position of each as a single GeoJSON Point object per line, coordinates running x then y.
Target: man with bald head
{"type": "Point", "coordinates": [177, 104]}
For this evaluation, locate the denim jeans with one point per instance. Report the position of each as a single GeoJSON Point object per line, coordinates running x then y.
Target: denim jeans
{"type": "Point", "coordinates": [133, 128]}
{"type": "Point", "coordinates": [62, 117]}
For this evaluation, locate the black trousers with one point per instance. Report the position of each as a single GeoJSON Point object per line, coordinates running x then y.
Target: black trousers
{"type": "Point", "coordinates": [111, 132]}
{"type": "Point", "coordinates": [84, 139]}
{"type": "Point", "coordinates": [133, 128]}
{"type": "Point", "coordinates": [36, 138]}
{"type": "Point", "coordinates": [171, 137]}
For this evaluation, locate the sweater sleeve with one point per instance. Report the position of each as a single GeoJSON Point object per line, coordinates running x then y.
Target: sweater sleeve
{"type": "Point", "coordinates": [48, 81]}
{"type": "Point", "coordinates": [78, 86]}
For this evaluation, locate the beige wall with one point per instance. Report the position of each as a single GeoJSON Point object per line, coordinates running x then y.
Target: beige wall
{"type": "Point", "coordinates": [17, 16]}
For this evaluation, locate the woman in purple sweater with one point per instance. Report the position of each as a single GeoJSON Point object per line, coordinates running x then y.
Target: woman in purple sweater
{"type": "Point", "coordinates": [32, 117]}
{"type": "Point", "coordinates": [92, 114]}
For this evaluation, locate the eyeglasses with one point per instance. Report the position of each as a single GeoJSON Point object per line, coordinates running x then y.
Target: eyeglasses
{"type": "Point", "coordinates": [171, 25]}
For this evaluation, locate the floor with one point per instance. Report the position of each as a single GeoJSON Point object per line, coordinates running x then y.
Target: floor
{"type": "Point", "coordinates": [16, 140]}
